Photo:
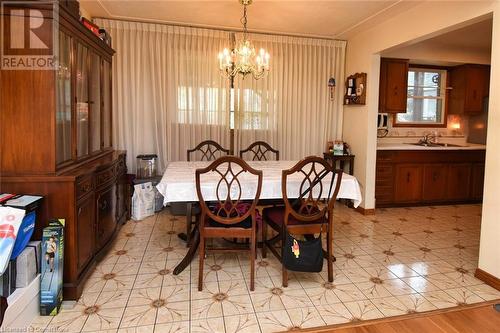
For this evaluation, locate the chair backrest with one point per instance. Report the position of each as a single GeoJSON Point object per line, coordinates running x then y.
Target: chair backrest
{"type": "Point", "coordinates": [312, 183]}
{"type": "Point", "coordinates": [259, 149]}
{"type": "Point", "coordinates": [226, 174]}
{"type": "Point", "coordinates": [210, 150]}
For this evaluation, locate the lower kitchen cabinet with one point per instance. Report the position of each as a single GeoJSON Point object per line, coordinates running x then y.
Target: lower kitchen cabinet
{"type": "Point", "coordinates": [435, 178]}
{"type": "Point", "coordinates": [415, 177]}
{"type": "Point", "coordinates": [477, 181]}
{"type": "Point", "coordinates": [458, 185]}
{"type": "Point", "coordinates": [408, 185]}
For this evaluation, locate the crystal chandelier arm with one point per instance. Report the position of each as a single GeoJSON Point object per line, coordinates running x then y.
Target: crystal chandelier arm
{"type": "Point", "coordinates": [242, 58]}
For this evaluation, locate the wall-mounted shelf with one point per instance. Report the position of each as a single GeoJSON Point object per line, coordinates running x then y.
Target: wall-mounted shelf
{"type": "Point", "coordinates": [355, 89]}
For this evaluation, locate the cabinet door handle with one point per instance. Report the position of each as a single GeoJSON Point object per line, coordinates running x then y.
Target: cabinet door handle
{"type": "Point", "coordinates": [408, 177]}
{"type": "Point", "coordinates": [79, 210]}
{"type": "Point", "coordinates": [434, 176]}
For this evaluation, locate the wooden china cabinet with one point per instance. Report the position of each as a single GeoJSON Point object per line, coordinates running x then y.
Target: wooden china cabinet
{"type": "Point", "coordinates": [56, 141]}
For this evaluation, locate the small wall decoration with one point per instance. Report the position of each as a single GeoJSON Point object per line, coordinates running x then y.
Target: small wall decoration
{"type": "Point", "coordinates": [331, 85]}
{"type": "Point", "coordinates": [355, 89]}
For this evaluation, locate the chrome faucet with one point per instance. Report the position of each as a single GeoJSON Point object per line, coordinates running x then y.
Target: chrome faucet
{"type": "Point", "coordinates": [428, 139]}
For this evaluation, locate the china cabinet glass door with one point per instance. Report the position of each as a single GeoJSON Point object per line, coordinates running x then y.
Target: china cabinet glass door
{"type": "Point", "coordinates": [95, 102]}
{"type": "Point", "coordinates": [82, 101]}
{"type": "Point", "coordinates": [106, 110]}
{"type": "Point", "coordinates": [63, 108]}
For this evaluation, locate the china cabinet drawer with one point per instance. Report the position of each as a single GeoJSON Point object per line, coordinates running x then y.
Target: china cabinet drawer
{"type": "Point", "coordinates": [83, 186]}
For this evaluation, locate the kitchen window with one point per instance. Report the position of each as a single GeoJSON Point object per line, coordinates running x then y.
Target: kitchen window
{"type": "Point", "coordinates": [426, 102]}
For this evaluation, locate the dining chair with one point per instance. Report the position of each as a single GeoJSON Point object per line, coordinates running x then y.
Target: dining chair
{"type": "Point", "coordinates": [209, 149]}
{"type": "Point", "coordinates": [305, 212]}
{"type": "Point", "coordinates": [224, 213]}
{"type": "Point", "coordinates": [259, 149]}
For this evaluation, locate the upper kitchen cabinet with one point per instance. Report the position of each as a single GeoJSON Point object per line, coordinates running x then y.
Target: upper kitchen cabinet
{"type": "Point", "coordinates": [469, 87]}
{"type": "Point", "coordinates": [393, 91]}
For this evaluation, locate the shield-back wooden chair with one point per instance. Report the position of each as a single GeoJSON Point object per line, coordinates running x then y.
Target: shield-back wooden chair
{"type": "Point", "coordinates": [305, 214]}
{"type": "Point", "coordinates": [228, 215]}
{"type": "Point", "coordinates": [259, 150]}
{"type": "Point", "coordinates": [209, 150]}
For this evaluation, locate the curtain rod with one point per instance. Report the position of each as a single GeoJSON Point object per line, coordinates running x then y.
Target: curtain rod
{"type": "Point", "coordinates": [221, 29]}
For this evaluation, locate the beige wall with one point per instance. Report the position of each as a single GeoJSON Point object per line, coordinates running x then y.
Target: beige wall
{"type": "Point", "coordinates": [423, 21]}
{"type": "Point", "coordinates": [489, 247]}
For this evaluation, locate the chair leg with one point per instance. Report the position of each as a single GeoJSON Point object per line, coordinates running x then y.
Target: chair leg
{"type": "Point", "coordinates": [253, 249]}
{"type": "Point", "coordinates": [264, 238]}
{"type": "Point", "coordinates": [202, 259]}
{"type": "Point", "coordinates": [329, 247]}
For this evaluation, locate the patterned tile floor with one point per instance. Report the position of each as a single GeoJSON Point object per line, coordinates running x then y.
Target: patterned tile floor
{"type": "Point", "coordinates": [398, 261]}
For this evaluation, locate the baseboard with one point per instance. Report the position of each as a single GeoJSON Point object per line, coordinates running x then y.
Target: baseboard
{"type": "Point", "coordinates": [365, 211]}
{"type": "Point", "coordinates": [487, 278]}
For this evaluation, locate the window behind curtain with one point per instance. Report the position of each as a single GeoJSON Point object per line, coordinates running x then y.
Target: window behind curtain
{"type": "Point", "coordinates": [426, 98]}
{"type": "Point", "coordinates": [202, 105]}
{"type": "Point", "coordinates": [249, 107]}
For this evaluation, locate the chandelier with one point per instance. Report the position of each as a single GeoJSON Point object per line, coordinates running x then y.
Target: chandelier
{"type": "Point", "coordinates": [243, 58]}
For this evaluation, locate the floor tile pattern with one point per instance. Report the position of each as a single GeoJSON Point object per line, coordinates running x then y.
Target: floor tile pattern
{"type": "Point", "coordinates": [398, 261]}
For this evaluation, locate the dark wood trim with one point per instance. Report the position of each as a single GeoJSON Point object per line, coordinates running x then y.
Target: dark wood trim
{"type": "Point", "coordinates": [430, 66]}
{"type": "Point", "coordinates": [487, 278]}
{"type": "Point", "coordinates": [427, 203]}
{"type": "Point", "coordinates": [415, 125]}
{"type": "Point", "coordinates": [365, 211]}
{"type": "Point", "coordinates": [362, 323]}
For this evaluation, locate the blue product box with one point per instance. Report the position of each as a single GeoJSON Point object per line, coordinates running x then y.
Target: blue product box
{"type": "Point", "coordinates": [30, 204]}
{"type": "Point", "coordinates": [52, 268]}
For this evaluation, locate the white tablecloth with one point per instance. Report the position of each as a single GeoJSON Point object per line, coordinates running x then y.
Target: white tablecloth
{"type": "Point", "coordinates": [178, 182]}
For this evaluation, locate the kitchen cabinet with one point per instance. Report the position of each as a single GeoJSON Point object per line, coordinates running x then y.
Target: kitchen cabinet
{"type": "Point", "coordinates": [469, 87]}
{"type": "Point", "coordinates": [415, 177]}
{"type": "Point", "coordinates": [458, 184]}
{"type": "Point", "coordinates": [384, 184]}
{"type": "Point", "coordinates": [435, 178]}
{"type": "Point", "coordinates": [393, 87]}
{"type": "Point", "coordinates": [477, 181]}
{"type": "Point", "coordinates": [408, 183]}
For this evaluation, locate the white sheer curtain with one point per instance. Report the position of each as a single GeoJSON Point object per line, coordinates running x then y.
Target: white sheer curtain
{"type": "Point", "coordinates": [168, 94]}
{"type": "Point", "coordinates": [291, 108]}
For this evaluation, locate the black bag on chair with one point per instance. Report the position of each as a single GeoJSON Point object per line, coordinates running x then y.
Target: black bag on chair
{"type": "Point", "coordinates": [302, 255]}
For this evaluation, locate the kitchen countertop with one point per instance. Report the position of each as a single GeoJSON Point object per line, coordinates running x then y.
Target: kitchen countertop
{"type": "Point", "coordinates": [409, 146]}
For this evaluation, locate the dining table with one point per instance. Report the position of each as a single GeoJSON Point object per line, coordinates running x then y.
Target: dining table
{"type": "Point", "coordinates": [178, 185]}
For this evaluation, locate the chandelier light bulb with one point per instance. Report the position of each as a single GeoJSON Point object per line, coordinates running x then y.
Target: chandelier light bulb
{"type": "Point", "coordinates": [243, 59]}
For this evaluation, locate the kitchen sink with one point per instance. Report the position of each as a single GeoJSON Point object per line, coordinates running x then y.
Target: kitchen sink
{"type": "Point", "coordinates": [424, 144]}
